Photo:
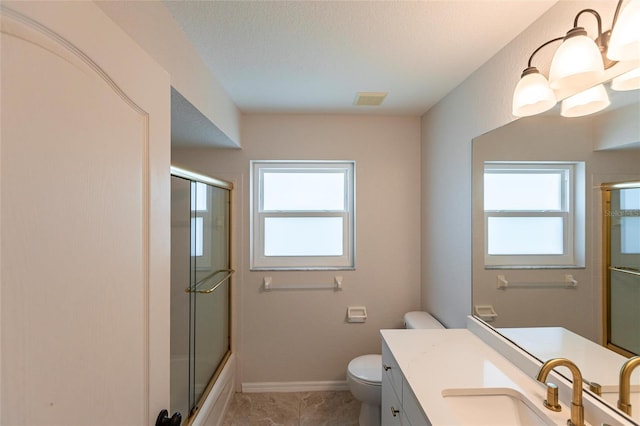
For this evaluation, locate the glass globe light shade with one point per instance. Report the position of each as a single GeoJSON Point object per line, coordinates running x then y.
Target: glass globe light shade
{"type": "Point", "coordinates": [586, 102]}
{"type": "Point", "coordinates": [624, 44]}
{"type": "Point", "coordinates": [627, 81]}
{"type": "Point", "coordinates": [532, 94]}
{"type": "Point", "coordinates": [577, 63]}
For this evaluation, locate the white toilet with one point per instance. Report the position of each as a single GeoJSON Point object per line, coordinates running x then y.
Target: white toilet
{"type": "Point", "coordinates": [364, 373]}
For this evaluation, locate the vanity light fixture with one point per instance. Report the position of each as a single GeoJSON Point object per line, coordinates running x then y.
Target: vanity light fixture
{"type": "Point", "coordinates": [586, 102]}
{"type": "Point", "coordinates": [578, 61]}
{"type": "Point", "coordinates": [579, 64]}
{"type": "Point", "coordinates": [624, 44]}
{"type": "Point", "coordinates": [533, 95]}
{"type": "Point", "coordinates": [627, 81]}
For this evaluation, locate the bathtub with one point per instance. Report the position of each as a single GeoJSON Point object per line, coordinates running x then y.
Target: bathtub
{"type": "Point", "coordinates": [215, 403]}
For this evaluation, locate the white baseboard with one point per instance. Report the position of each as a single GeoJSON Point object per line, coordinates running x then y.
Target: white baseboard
{"type": "Point", "coordinates": [336, 385]}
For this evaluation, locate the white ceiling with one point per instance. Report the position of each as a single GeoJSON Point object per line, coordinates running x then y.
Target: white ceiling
{"type": "Point", "coordinates": [313, 56]}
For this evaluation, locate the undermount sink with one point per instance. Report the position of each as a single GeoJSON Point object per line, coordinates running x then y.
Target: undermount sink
{"type": "Point", "coordinates": [493, 406]}
{"type": "Point", "coordinates": [611, 396]}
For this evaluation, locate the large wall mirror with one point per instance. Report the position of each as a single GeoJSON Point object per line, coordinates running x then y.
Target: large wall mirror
{"type": "Point", "coordinates": [545, 308]}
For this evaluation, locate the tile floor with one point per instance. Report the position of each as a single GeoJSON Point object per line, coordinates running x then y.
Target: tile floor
{"type": "Point", "coordinates": [293, 409]}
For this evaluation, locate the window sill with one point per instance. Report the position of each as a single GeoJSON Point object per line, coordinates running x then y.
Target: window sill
{"type": "Point", "coordinates": [498, 267]}
{"type": "Point", "coordinates": [299, 268]}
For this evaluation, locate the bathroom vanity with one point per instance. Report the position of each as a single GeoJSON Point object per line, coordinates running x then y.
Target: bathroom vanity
{"type": "Point", "coordinates": [471, 376]}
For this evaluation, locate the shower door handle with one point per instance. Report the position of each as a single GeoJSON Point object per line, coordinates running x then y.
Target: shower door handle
{"type": "Point", "coordinates": [195, 289]}
{"type": "Point", "coordinates": [164, 419]}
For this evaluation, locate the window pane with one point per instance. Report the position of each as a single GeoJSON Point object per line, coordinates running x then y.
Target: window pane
{"type": "Point", "coordinates": [523, 191]}
{"type": "Point", "coordinates": [303, 236]}
{"type": "Point", "coordinates": [630, 199]}
{"type": "Point", "coordinates": [197, 236]}
{"type": "Point", "coordinates": [630, 238]}
{"type": "Point", "coordinates": [198, 196]}
{"type": "Point", "coordinates": [299, 191]}
{"type": "Point", "coordinates": [525, 235]}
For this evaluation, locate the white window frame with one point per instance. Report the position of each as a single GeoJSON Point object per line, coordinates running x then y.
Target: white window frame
{"type": "Point", "coordinates": [568, 212]}
{"type": "Point", "coordinates": [258, 215]}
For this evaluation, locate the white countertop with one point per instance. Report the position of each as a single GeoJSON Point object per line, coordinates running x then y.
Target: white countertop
{"type": "Point", "coordinates": [434, 360]}
{"type": "Point", "coordinates": [597, 363]}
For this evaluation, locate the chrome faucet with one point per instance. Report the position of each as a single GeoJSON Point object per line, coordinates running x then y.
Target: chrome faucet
{"type": "Point", "coordinates": [577, 410]}
{"type": "Point", "coordinates": [624, 398]}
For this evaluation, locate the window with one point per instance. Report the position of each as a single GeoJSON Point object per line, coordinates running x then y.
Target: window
{"type": "Point", "coordinates": [303, 215]}
{"type": "Point", "coordinates": [530, 215]}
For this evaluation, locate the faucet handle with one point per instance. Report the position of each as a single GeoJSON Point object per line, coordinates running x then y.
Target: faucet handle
{"type": "Point", "coordinates": [594, 387]}
{"type": "Point", "coordinates": [551, 402]}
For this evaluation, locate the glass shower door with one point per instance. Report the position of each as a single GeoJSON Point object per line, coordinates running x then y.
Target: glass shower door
{"type": "Point", "coordinates": [180, 300]}
{"type": "Point", "coordinates": [212, 272]}
{"type": "Point", "coordinates": [200, 286]}
{"type": "Point", "coordinates": [622, 245]}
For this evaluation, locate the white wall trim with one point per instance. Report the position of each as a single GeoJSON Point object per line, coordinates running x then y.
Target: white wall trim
{"type": "Point", "coordinates": [335, 385]}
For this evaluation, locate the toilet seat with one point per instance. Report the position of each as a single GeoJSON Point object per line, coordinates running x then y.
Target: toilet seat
{"type": "Point", "coordinates": [366, 369]}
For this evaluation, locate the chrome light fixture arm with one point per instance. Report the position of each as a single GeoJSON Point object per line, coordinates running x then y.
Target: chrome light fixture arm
{"type": "Point", "coordinates": [594, 13]}
{"type": "Point", "coordinates": [602, 40]}
{"type": "Point", "coordinates": [540, 48]}
{"type": "Point", "coordinates": [615, 15]}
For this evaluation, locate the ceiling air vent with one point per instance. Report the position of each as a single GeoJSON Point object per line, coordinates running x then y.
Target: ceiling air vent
{"type": "Point", "coordinates": [369, 98]}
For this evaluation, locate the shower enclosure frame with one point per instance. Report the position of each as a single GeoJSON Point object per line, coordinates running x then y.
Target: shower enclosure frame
{"type": "Point", "coordinates": [191, 176]}
{"type": "Point", "coordinates": [606, 189]}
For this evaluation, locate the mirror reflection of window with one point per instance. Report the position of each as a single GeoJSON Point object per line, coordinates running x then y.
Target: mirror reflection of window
{"type": "Point", "coordinates": [529, 214]}
{"type": "Point", "coordinates": [523, 190]}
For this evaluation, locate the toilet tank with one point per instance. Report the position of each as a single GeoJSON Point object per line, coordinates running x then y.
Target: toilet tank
{"type": "Point", "coordinates": [420, 319]}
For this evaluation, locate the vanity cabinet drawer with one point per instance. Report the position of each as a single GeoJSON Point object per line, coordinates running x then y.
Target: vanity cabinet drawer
{"type": "Point", "coordinates": [392, 411]}
{"type": "Point", "coordinates": [391, 370]}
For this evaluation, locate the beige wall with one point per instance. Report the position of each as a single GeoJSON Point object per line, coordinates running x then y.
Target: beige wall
{"type": "Point", "coordinates": [298, 336]}
{"type": "Point", "coordinates": [478, 105]}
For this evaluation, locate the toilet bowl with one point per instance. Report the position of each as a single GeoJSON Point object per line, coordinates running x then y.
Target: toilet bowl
{"type": "Point", "coordinates": [364, 373]}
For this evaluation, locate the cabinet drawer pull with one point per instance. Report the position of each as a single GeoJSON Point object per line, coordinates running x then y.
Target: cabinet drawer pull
{"type": "Point", "coordinates": [386, 367]}
{"type": "Point", "coordinates": [394, 411]}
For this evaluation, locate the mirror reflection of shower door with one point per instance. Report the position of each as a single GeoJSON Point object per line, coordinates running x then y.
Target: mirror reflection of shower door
{"type": "Point", "coordinates": [622, 260]}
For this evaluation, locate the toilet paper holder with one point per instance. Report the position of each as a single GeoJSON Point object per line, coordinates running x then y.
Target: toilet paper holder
{"type": "Point", "coordinates": [486, 312]}
{"type": "Point", "coordinates": [356, 314]}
